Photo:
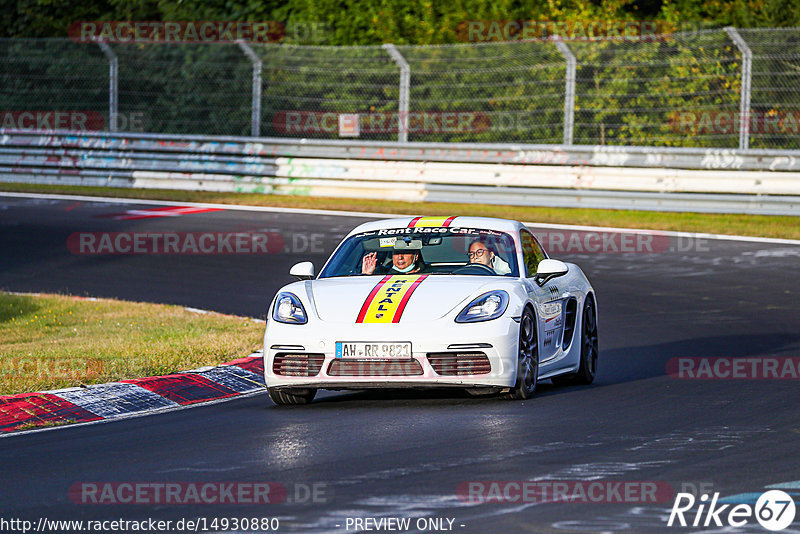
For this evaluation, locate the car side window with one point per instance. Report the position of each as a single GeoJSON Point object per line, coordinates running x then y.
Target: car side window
{"type": "Point", "coordinates": [532, 252]}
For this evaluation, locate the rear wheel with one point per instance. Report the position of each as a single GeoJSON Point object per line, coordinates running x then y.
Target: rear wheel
{"type": "Point", "coordinates": [589, 351]}
{"type": "Point", "coordinates": [292, 396]}
{"type": "Point", "coordinates": [527, 359]}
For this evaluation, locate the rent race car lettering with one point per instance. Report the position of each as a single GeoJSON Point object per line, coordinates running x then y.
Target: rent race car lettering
{"type": "Point", "coordinates": [388, 299]}
{"type": "Point", "coordinates": [429, 230]}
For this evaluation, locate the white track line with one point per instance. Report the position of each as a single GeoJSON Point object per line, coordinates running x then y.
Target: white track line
{"type": "Point", "coordinates": [336, 213]}
{"type": "Point", "coordinates": [230, 207]}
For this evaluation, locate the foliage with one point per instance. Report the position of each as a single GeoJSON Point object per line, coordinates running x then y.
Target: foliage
{"type": "Point", "coordinates": [627, 92]}
{"type": "Point", "coordinates": [355, 22]}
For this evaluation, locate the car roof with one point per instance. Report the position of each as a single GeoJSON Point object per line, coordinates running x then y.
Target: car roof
{"type": "Point", "coordinates": [483, 223]}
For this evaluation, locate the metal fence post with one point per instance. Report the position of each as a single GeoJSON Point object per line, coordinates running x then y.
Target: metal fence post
{"type": "Point", "coordinates": [569, 91]}
{"type": "Point", "coordinates": [405, 87]}
{"type": "Point", "coordinates": [744, 104]}
{"type": "Point", "coordinates": [255, 117]}
{"type": "Point", "coordinates": [113, 71]}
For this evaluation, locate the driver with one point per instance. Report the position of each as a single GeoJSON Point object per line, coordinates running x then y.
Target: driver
{"type": "Point", "coordinates": [406, 259]}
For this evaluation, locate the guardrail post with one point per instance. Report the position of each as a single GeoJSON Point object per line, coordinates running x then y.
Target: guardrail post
{"type": "Point", "coordinates": [405, 88]}
{"type": "Point", "coordinates": [113, 72]}
{"type": "Point", "coordinates": [569, 91]}
{"type": "Point", "coordinates": [255, 114]}
{"type": "Point", "coordinates": [744, 104]}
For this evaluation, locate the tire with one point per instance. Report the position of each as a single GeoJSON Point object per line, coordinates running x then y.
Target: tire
{"type": "Point", "coordinates": [289, 397]}
{"type": "Point", "coordinates": [587, 369]}
{"type": "Point", "coordinates": [528, 359]}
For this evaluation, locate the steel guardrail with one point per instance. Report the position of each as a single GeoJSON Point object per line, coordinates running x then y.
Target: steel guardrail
{"type": "Point", "coordinates": [670, 179]}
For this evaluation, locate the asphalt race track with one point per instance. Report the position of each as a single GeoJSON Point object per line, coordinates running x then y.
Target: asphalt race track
{"type": "Point", "coordinates": [409, 454]}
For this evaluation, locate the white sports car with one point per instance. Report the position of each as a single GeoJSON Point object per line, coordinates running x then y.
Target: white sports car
{"type": "Point", "coordinates": [469, 302]}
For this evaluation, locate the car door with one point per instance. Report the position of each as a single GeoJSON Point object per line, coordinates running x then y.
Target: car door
{"type": "Point", "coordinates": [549, 304]}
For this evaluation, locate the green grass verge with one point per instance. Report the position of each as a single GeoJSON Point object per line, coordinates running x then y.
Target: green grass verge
{"type": "Point", "coordinates": [731, 224]}
{"type": "Point", "coordinates": [55, 341]}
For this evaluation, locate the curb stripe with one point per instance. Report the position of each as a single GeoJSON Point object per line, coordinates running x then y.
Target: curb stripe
{"type": "Point", "coordinates": [183, 388]}
{"type": "Point", "coordinates": [39, 409]}
{"type": "Point", "coordinates": [402, 306]}
{"type": "Point", "coordinates": [234, 378]}
{"type": "Point", "coordinates": [131, 398]}
{"type": "Point", "coordinates": [114, 399]}
{"type": "Point", "coordinates": [168, 211]}
{"type": "Point", "coordinates": [254, 364]}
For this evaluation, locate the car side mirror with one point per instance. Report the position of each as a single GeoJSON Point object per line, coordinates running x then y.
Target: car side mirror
{"type": "Point", "coordinates": [303, 270]}
{"type": "Point", "coordinates": [549, 269]}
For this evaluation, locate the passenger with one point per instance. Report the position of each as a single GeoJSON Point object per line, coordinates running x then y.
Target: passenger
{"type": "Point", "coordinates": [481, 252]}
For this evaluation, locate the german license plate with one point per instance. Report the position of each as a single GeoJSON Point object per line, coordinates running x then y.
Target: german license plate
{"type": "Point", "coordinates": [346, 349]}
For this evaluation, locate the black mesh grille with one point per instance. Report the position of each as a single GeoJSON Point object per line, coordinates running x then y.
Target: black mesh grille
{"type": "Point", "coordinates": [460, 363]}
{"type": "Point", "coordinates": [297, 364]}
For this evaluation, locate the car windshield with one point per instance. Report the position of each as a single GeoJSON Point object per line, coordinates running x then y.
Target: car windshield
{"type": "Point", "coordinates": [459, 251]}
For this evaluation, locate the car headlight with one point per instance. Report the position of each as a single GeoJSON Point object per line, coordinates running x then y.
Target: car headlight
{"type": "Point", "coordinates": [484, 308]}
{"type": "Point", "coordinates": [289, 309]}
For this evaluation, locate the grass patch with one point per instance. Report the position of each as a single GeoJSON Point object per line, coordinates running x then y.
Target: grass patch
{"type": "Point", "coordinates": [43, 424]}
{"type": "Point", "coordinates": [55, 341]}
{"type": "Point", "coordinates": [715, 223]}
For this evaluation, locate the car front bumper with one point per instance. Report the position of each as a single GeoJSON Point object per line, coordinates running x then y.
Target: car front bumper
{"type": "Point", "coordinates": [455, 348]}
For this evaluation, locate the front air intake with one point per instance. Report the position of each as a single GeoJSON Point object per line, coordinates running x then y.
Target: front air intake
{"type": "Point", "coordinates": [460, 363]}
{"type": "Point", "coordinates": [297, 364]}
{"type": "Point", "coordinates": [341, 367]}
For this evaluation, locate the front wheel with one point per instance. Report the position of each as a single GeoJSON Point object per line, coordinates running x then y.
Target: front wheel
{"type": "Point", "coordinates": [589, 351]}
{"type": "Point", "coordinates": [527, 359]}
{"type": "Point", "coordinates": [291, 396]}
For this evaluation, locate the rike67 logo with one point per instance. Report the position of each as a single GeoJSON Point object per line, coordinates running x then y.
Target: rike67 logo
{"type": "Point", "coordinates": [774, 510]}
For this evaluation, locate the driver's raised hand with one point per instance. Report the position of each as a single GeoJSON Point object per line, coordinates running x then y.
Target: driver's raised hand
{"type": "Point", "coordinates": [368, 263]}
